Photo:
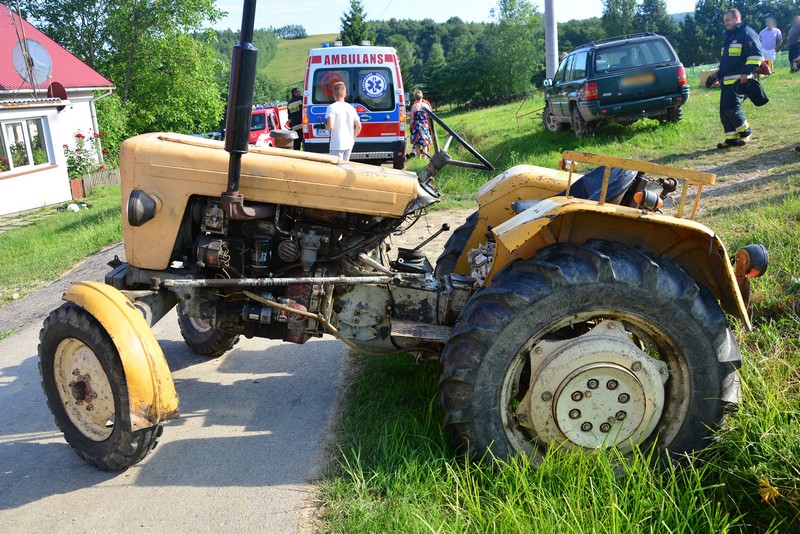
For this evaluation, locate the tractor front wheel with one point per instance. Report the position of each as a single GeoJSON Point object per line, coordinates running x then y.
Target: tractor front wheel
{"type": "Point", "coordinates": [84, 382]}
{"type": "Point", "coordinates": [202, 338]}
{"type": "Point", "coordinates": [588, 347]}
{"type": "Point", "coordinates": [455, 246]}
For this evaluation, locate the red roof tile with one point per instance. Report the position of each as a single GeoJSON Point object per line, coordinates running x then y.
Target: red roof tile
{"type": "Point", "coordinates": [68, 70]}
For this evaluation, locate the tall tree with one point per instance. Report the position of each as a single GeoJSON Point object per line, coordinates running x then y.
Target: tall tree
{"type": "Point", "coordinates": [432, 66]}
{"type": "Point", "coordinates": [688, 36]}
{"type": "Point", "coordinates": [133, 22]}
{"type": "Point", "coordinates": [355, 27]}
{"type": "Point", "coordinates": [173, 86]}
{"type": "Point", "coordinates": [577, 32]}
{"type": "Point", "coordinates": [405, 53]}
{"type": "Point", "coordinates": [513, 47]}
{"type": "Point", "coordinates": [618, 16]}
{"type": "Point", "coordinates": [708, 17]}
{"type": "Point", "coordinates": [652, 16]}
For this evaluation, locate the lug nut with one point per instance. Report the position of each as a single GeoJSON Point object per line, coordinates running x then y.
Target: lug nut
{"type": "Point", "coordinates": [612, 384]}
{"type": "Point", "coordinates": [605, 427]}
{"type": "Point", "coordinates": [586, 427]}
{"type": "Point", "coordinates": [577, 395]}
{"type": "Point", "coordinates": [546, 396]}
{"type": "Point", "coordinates": [89, 407]}
{"type": "Point", "coordinates": [574, 414]}
{"type": "Point", "coordinates": [623, 398]}
{"type": "Point", "coordinates": [76, 372]}
{"type": "Point", "coordinates": [636, 367]}
{"type": "Point", "coordinates": [537, 350]}
{"type": "Point", "coordinates": [621, 415]}
{"type": "Point", "coordinates": [592, 384]}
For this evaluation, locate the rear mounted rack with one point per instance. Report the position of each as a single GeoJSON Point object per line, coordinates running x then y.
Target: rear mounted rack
{"type": "Point", "coordinates": [686, 177]}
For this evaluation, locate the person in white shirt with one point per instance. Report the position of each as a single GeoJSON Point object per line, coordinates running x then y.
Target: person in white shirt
{"type": "Point", "coordinates": [343, 122]}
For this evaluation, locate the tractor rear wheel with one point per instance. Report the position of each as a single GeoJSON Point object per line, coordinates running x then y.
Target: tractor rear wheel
{"type": "Point", "coordinates": [84, 382]}
{"type": "Point", "coordinates": [202, 338]}
{"type": "Point", "coordinates": [588, 346]}
{"type": "Point", "coordinates": [455, 246]}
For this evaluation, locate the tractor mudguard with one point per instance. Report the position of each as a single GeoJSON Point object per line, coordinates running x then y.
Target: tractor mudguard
{"type": "Point", "coordinates": [691, 245]}
{"type": "Point", "coordinates": [151, 391]}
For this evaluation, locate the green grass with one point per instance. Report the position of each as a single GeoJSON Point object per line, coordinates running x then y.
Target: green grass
{"type": "Point", "coordinates": [289, 64]}
{"type": "Point", "coordinates": [38, 254]}
{"type": "Point", "coordinates": [393, 468]}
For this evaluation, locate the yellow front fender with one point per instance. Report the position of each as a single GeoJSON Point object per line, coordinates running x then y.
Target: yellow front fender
{"type": "Point", "coordinates": [151, 392]}
{"type": "Point", "coordinates": [691, 245]}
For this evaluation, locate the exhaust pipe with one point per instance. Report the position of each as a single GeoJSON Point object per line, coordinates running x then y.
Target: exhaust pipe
{"type": "Point", "coordinates": [239, 113]}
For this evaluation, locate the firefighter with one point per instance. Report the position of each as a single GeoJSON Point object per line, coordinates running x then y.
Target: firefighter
{"type": "Point", "coordinates": [295, 109]}
{"type": "Point", "coordinates": [741, 55]}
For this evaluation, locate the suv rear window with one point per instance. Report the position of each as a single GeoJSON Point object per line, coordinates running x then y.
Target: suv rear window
{"type": "Point", "coordinates": [371, 87]}
{"type": "Point", "coordinates": [632, 54]}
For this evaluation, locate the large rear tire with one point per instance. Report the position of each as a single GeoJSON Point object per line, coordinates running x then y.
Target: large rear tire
{"type": "Point", "coordinates": [202, 338]}
{"type": "Point", "coordinates": [84, 382]}
{"type": "Point", "coordinates": [530, 349]}
{"type": "Point", "coordinates": [455, 246]}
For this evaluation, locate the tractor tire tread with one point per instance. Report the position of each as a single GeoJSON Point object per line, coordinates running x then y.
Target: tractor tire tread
{"type": "Point", "coordinates": [524, 282]}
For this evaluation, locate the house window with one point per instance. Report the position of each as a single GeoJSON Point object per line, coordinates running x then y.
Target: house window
{"type": "Point", "coordinates": [23, 143]}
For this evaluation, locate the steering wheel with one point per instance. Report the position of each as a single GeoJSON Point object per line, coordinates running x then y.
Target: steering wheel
{"type": "Point", "coordinates": [484, 164]}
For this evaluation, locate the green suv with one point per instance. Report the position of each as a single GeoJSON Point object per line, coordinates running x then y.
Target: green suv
{"type": "Point", "coordinates": [622, 79]}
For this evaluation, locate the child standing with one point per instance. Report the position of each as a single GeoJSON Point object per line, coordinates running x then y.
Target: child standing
{"type": "Point", "coordinates": [343, 122]}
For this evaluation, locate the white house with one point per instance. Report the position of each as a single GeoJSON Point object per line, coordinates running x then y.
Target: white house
{"type": "Point", "coordinates": [34, 127]}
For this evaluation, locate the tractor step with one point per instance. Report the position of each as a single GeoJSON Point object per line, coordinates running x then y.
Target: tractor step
{"type": "Point", "coordinates": [422, 331]}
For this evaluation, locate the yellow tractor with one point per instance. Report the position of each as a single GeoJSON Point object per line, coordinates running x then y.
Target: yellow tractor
{"type": "Point", "coordinates": [567, 309]}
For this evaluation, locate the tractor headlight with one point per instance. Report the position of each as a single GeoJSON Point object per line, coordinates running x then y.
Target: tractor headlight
{"type": "Point", "coordinates": [141, 207]}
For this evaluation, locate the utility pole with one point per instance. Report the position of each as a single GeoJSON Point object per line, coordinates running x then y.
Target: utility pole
{"type": "Point", "coordinates": [550, 38]}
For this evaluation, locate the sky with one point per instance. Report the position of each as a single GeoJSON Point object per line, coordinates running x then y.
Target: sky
{"type": "Point", "coordinates": [323, 16]}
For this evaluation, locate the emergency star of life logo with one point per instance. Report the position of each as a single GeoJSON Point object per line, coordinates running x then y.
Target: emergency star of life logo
{"type": "Point", "coordinates": [374, 85]}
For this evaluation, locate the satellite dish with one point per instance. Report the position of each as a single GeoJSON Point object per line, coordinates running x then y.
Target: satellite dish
{"type": "Point", "coordinates": [56, 90]}
{"type": "Point", "coordinates": [38, 64]}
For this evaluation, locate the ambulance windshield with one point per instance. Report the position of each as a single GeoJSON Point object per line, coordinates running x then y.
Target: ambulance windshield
{"type": "Point", "coordinates": [372, 87]}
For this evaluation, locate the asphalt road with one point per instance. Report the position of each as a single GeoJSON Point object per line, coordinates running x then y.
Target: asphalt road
{"type": "Point", "coordinates": [238, 460]}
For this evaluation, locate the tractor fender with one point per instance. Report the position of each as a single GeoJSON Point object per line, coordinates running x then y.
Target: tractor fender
{"type": "Point", "coordinates": [151, 391]}
{"type": "Point", "coordinates": [689, 244]}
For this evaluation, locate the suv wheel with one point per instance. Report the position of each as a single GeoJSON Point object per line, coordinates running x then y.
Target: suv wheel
{"type": "Point", "coordinates": [579, 125]}
{"type": "Point", "coordinates": [551, 122]}
{"type": "Point", "coordinates": [674, 114]}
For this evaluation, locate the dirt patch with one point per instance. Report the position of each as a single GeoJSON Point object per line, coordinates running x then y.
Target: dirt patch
{"type": "Point", "coordinates": [425, 227]}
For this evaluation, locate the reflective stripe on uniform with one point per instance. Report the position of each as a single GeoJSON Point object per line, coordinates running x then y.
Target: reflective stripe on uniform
{"type": "Point", "coordinates": [742, 128]}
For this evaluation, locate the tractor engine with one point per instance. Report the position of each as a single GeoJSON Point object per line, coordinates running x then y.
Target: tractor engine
{"type": "Point", "coordinates": [284, 242]}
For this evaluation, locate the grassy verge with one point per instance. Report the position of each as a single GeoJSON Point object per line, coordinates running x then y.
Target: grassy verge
{"type": "Point", "coordinates": [395, 472]}
{"type": "Point", "coordinates": [37, 254]}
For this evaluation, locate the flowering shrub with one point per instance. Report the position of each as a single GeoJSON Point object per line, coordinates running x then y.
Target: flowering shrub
{"type": "Point", "coordinates": [82, 159]}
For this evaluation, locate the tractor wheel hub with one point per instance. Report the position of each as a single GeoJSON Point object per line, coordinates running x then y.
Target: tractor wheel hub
{"type": "Point", "coordinates": [597, 390]}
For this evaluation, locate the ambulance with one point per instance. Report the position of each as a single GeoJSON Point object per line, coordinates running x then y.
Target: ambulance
{"type": "Point", "coordinates": [374, 87]}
